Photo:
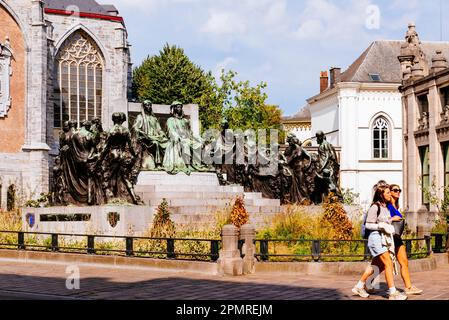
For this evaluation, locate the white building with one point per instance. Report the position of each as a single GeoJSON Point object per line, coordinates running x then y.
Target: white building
{"type": "Point", "coordinates": [300, 125]}
{"type": "Point", "coordinates": [360, 112]}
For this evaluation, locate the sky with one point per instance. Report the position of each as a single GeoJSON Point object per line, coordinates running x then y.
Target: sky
{"type": "Point", "coordinates": [285, 43]}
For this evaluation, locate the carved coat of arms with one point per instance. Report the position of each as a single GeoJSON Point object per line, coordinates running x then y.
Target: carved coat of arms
{"type": "Point", "coordinates": [113, 219]}
{"type": "Point", "coordinates": [30, 219]}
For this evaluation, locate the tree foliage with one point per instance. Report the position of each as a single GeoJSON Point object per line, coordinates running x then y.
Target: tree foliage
{"type": "Point", "coordinates": [171, 76]}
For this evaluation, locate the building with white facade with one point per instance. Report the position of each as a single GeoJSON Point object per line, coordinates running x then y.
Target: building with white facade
{"type": "Point", "coordinates": [59, 60]}
{"type": "Point", "coordinates": [300, 124]}
{"type": "Point", "coordinates": [361, 112]}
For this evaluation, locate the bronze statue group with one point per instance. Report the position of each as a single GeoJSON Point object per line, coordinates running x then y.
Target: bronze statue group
{"type": "Point", "coordinates": [95, 167]}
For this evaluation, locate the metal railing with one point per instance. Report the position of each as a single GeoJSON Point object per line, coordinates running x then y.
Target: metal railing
{"type": "Point", "coordinates": [319, 250]}
{"type": "Point", "coordinates": [128, 243]}
{"type": "Point", "coordinates": [441, 243]}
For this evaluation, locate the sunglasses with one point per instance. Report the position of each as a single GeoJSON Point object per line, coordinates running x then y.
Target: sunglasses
{"type": "Point", "coordinates": [396, 190]}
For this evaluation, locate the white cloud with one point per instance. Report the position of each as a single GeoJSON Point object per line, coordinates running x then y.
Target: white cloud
{"type": "Point", "coordinates": [220, 23]}
{"type": "Point", "coordinates": [225, 64]}
{"type": "Point", "coordinates": [333, 24]}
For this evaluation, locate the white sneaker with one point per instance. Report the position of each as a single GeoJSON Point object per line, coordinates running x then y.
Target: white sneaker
{"type": "Point", "coordinates": [360, 292]}
{"type": "Point", "coordinates": [397, 296]}
{"type": "Point", "coordinates": [413, 291]}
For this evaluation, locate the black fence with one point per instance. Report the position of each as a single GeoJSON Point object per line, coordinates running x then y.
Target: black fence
{"type": "Point", "coordinates": [440, 242]}
{"type": "Point", "coordinates": [330, 250]}
{"type": "Point", "coordinates": [164, 248]}
{"type": "Point", "coordinates": [208, 249]}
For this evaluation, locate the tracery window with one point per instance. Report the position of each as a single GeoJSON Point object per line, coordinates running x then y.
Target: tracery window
{"type": "Point", "coordinates": [5, 75]}
{"type": "Point", "coordinates": [380, 139]}
{"type": "Point", "coordinates": [79, 90]}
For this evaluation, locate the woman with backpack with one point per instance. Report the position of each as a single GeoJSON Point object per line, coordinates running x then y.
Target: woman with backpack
{"type": "Point", "coordinates": [401, 252]}
{"type": "Point", "coordinates": [380, 243]}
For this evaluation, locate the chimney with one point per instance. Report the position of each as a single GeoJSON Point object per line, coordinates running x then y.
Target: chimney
{"type": "Point", "coordinates": [335, 76]}
{"type": "Point", "coordinates": [324, 81]}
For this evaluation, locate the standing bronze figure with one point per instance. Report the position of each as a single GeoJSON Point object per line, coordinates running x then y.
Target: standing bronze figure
{"type": "Point", "coordinates": [150, 139]}
{"type": "Point", "coordinates": [118, 158]}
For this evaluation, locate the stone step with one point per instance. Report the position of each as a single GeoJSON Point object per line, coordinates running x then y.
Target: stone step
{"type": "Point", "coordinates": [214, 209]}
{"type": "Point", "coordinates": [264, 202]}
{"type": "Point", "coordinates": [253, 195]}
{"type": "Point", "coordinates": [163, 178]}
{"type": "Point", "coordinates": [192, 202]}
{"type": "Point", "coordinates": [187, 188]}
{"type": "Point", "coordinates": [188, 195]}
{"type": "Point", "coordinates": [222, 202]}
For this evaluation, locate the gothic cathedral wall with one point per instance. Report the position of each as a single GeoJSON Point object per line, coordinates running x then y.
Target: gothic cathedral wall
{"type": "Point", "coordinates": [12, 126]}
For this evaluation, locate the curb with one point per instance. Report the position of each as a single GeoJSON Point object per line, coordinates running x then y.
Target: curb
{"type": "Point", "coordinates": [307, 268]}
{"type": "Point", "coordinates": [109, 261]}
{"type": "Point", "coordinates": [343, 268]}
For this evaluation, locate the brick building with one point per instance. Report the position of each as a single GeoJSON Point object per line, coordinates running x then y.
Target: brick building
{"type": "Point", "coordinates": [59, 60]}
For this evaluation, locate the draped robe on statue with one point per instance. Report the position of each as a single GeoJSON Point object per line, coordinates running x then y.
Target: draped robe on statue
{"type": "Point", "coordinates": [150, 141]}
{"type": "Point", "coordinates": [76, 165]}
{"type": "Point", "coordinates": [183, 153]}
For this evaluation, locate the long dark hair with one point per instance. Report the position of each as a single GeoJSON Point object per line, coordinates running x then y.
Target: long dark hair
{"type": "Point", "coordinates": [379, 194]}
{"type": "Point", "coordinates": [396, 202]}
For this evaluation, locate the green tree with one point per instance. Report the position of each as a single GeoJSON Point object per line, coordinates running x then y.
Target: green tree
{"type": "Point", "coordinates": [171, 76]}
{"type": "Point", "coordinates": [244, 105]}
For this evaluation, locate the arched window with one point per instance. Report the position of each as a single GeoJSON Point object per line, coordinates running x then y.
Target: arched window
{"type": "Point", "coordinates": [380, 139]}
{"type": "Point", "coordinates": [79, 87]}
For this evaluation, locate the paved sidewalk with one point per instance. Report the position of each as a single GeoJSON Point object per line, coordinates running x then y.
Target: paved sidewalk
{"type": "Point", "coordinates": [20, 280]}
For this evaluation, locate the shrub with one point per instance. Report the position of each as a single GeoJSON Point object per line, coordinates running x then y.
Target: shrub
{"type": "Point", "coordinates": [336, 219]}
{"type": "Point", "coordinates": [163, 226]}
{"type": "Point", "coordinates": [239, 215]}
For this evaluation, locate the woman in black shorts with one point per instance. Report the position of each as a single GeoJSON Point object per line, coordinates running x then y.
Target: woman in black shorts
{"type": "Point", "coordinates": [401, 252]}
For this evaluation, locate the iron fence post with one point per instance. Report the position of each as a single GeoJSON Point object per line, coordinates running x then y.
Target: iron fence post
{"type": "Point", "coordinates": [428, 245]}
{"type": "Point", "coordinates": [438, 243]}
{"type": "Point", "coordinates": [171, 249]}
{"type": "Point", "coordinates": [91, 244]}
{"type": "Point", "coordinates": [264, 250]}
{"type": "Point", "coordinates": [240, 247]}
{"type": "Point", "coordinates": [447, 242]}
{"type": "Point", "coordinates": [129, 246]}
{"type": "Point", "coordinates": [408, 248]}
{"type": "Point", "coordinates": [316, 250]}
{"type": "Point", "coordinates": [54, 243]}
{"type": "Point", "coordinates": [21, 241]}
{"type": "Point", "coordinates": [214, 255]}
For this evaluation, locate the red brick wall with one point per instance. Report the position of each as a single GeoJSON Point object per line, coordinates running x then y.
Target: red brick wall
{"type": "Point", "coordinates": [12, 127]}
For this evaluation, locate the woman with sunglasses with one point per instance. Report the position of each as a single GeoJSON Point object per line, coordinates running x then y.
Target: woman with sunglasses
{"type": "Point", "coordinates": [401, 252]}
{"type": "Point", "coordinates": [380, 242]}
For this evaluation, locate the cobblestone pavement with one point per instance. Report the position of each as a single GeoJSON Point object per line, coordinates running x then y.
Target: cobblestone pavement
{"type": "Point", "coordinates": [20, 280]}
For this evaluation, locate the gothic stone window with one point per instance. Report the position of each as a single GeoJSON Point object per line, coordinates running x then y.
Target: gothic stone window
{"type": "Point", "coordinates": [380, 139]}
{"type": "Point", "coordinates": [425, 174]}
{"type": "Point", "coordinates": [423, 104]}
{"type": "Point", "coordinates": [445, 149]}
{"type": "Point", "coordinates": [5, 75]}
{"type": "Point", "coordinates": [79, 90]}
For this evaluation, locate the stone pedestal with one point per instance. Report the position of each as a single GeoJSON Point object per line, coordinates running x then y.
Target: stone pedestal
{"type": "Point", "coordinates": [109, 220]}
{"type": "Point", "coordinates": [248, 233]}
{"type": "Point", "coordinates": [194, 200]}
{"type": "Point", "coordinates": [230, 263]}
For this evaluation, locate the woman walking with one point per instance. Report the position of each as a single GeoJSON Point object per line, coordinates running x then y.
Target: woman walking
{"type": "Point", "coordinates": [380, 243]}
{"type": "Point", "coordinates": [401, 252]}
